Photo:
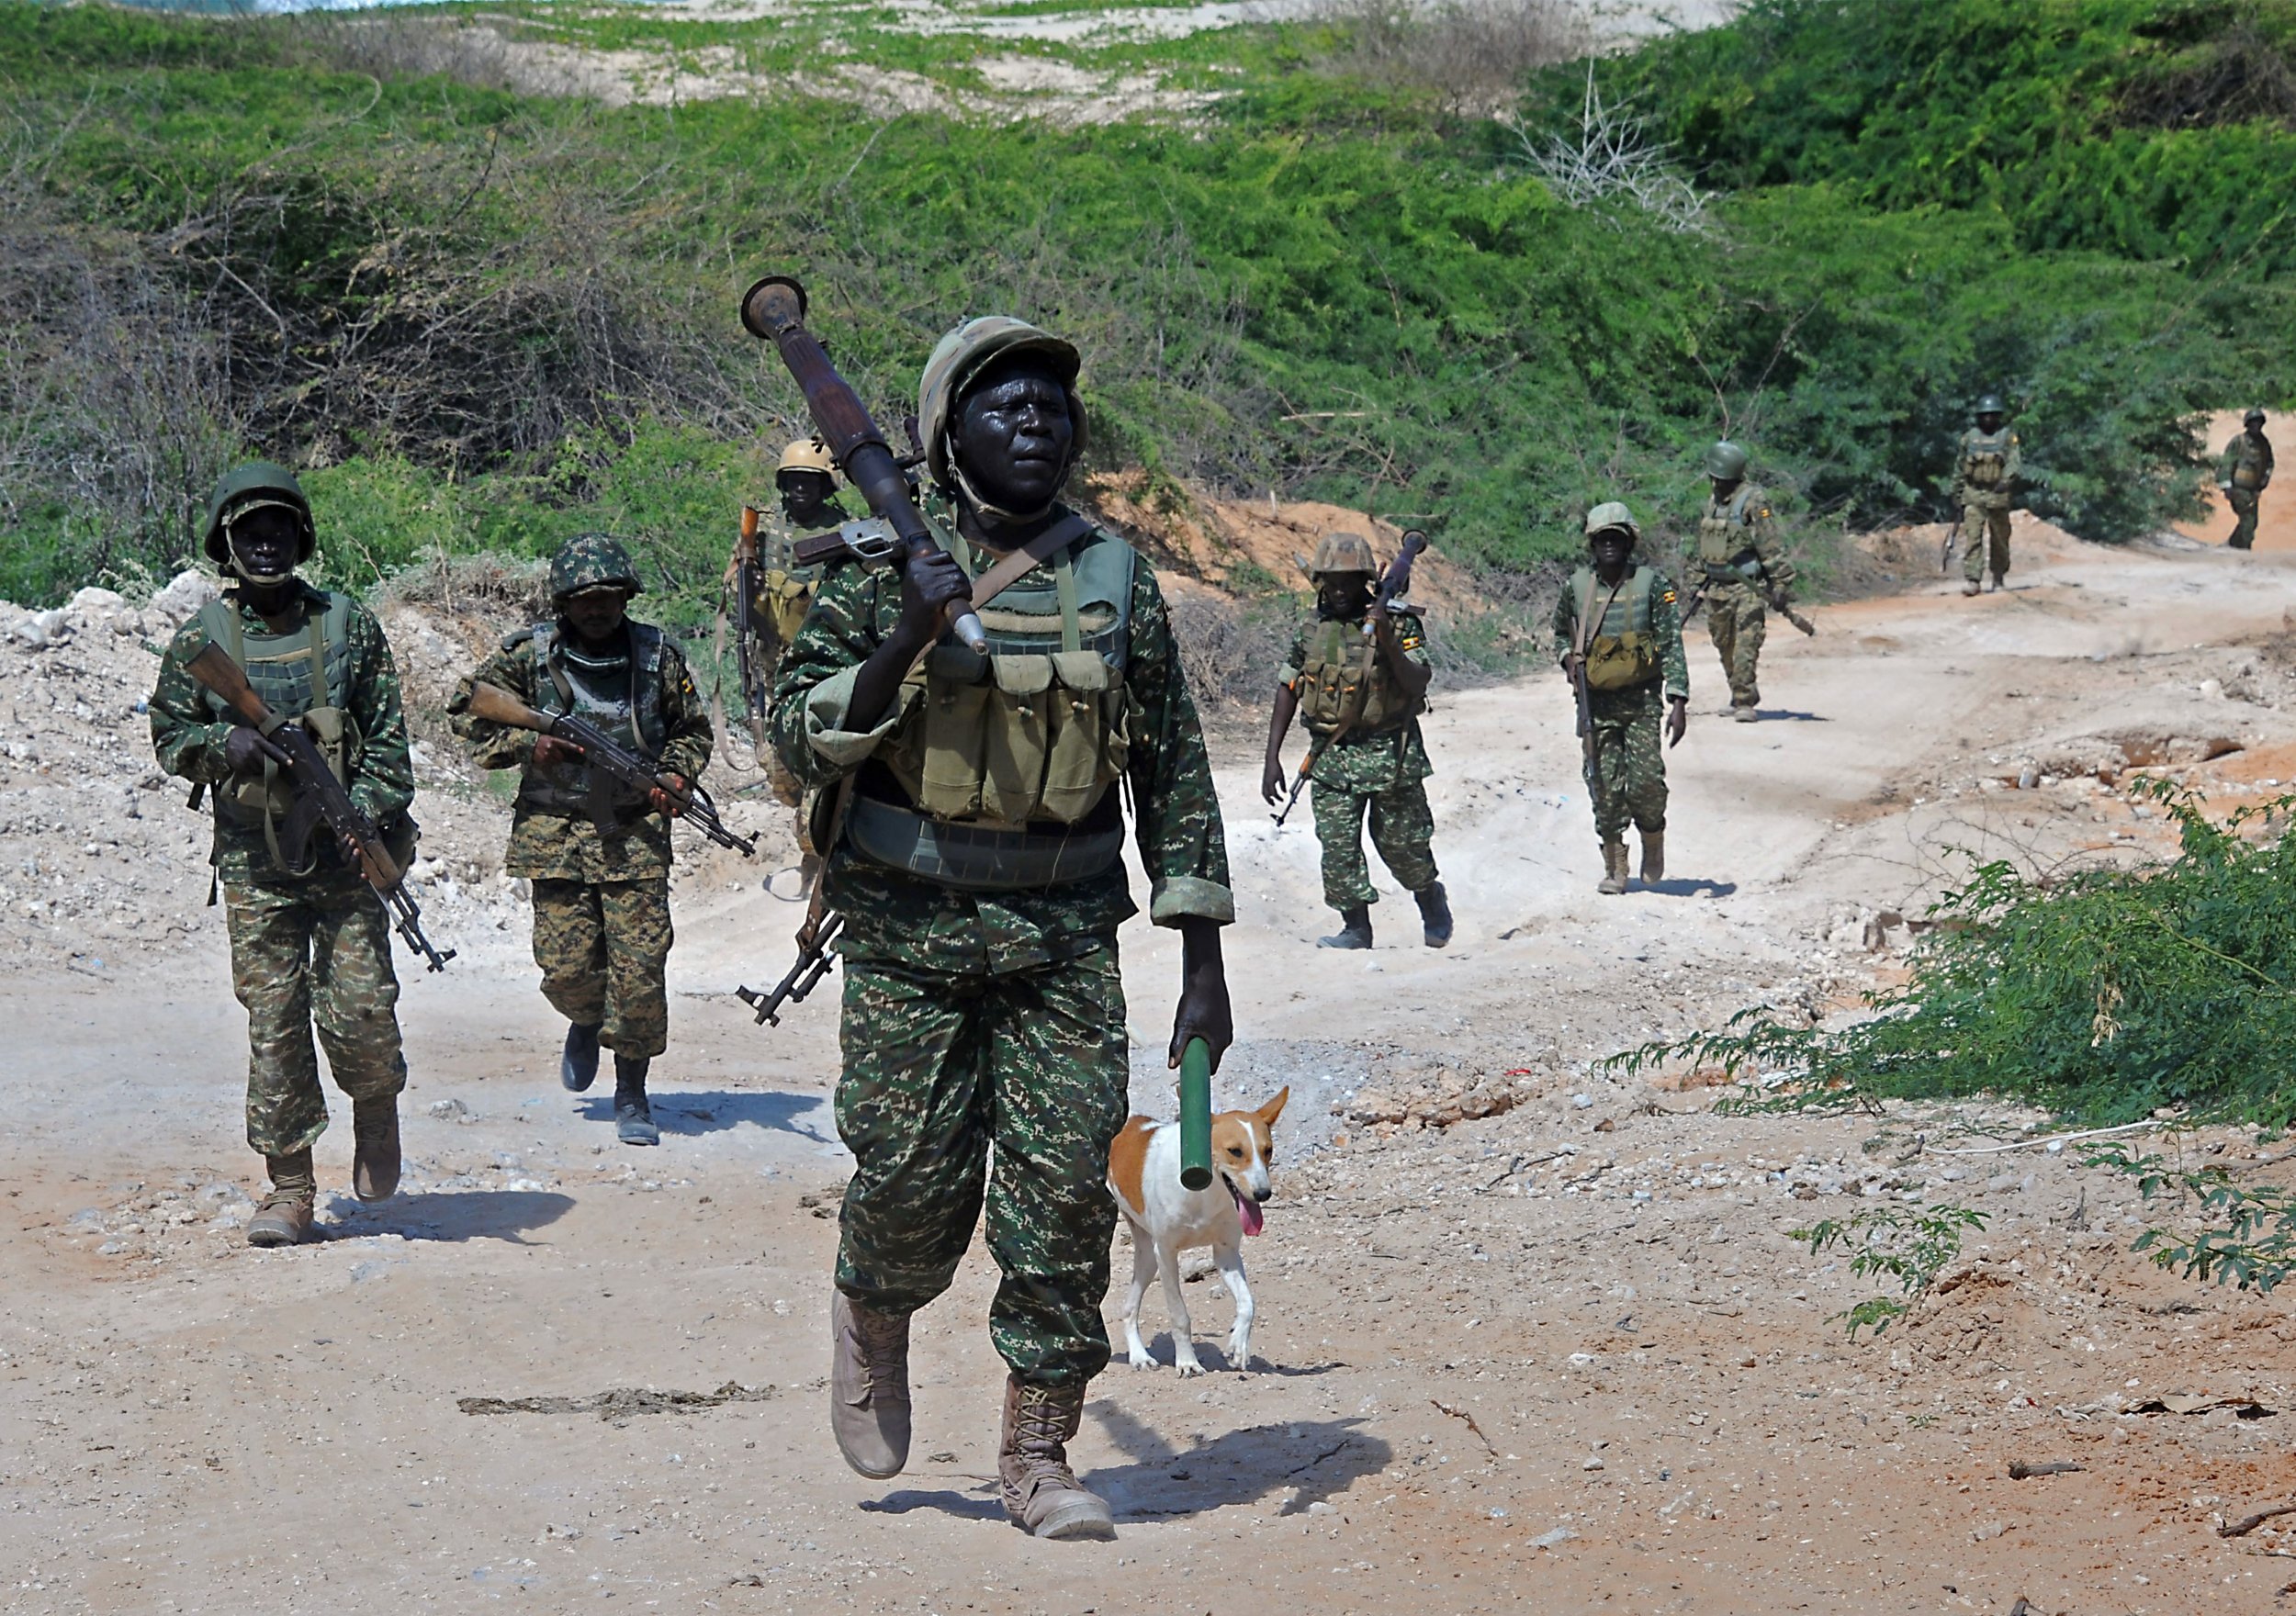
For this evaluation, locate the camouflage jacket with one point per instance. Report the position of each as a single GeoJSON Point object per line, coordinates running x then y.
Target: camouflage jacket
{"type": "Point", "coordinates": [1974, 443]}
{"type": "Point", "coordinates": [2254, 453]}
{"type": "Point", "coordinates": [1666, 622]}
{"type": "Point", "coordinates": [900, 919]}
{"type": "Point", "coordinates": [568, 846]}
{"type": "Point", "coordinates": [188, 740]}
{"type": "Point", "coordinates": [1370, 763]}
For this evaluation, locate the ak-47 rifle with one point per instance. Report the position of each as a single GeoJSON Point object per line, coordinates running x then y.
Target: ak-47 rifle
{"type": "Point", "coordinates": [1776, 597]}
{"type": "Point", "coordinates": [320, 797]}
{"type": "Point", "coordinates": [816, 956]}
{"type": "Point", "coordinates": [1392, 583]}
{"type": "Point", "coordinates": [610, 765]}
{"type": "Point", "coordinates": [773, 311]}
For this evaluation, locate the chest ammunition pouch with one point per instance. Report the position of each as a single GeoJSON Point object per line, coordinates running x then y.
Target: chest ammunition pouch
{"type": "Point", "coordinates": [1723, 551]}
{"type": "Point", "coordinates": [1622, 649]}
{"type": "Point", "coordinates": [1343, 687]}
{"type": "Point", "coordinates": [1988, 462]}
{"type": "Point", "coordinates": [1006, 758]}
{"type": "Point", "coordinates": [2248, 474]}
{"type": "Point", "coordinates": [635, 718]}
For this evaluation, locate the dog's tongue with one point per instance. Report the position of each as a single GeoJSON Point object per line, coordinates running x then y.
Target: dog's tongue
{"type": "Point", "coordinates": [1249, 1211]}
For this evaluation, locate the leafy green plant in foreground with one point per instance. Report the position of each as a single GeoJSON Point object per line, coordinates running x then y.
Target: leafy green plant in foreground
{"type": "Point", "coordinates": [1909, 1247]}
{"type": "Point", "coordinates": [2246, 1236]}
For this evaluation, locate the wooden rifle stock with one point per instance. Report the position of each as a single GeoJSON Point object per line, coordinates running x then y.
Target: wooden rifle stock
{"type": "Point", "coordinates": [773, 311]}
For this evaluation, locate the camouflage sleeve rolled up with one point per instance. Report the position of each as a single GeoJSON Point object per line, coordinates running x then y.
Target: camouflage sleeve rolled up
{"type": "Point", "coordinates": [185, 737]}
{"type": "Point", "coordinates": [688, 738]}
{"type": "Point", "coordinates": [1183, 846]}
{"type": "Point", "coordinates": [495, 746]}
{"type": "Point", "coordinates": [1666, 621]}
{"type": "Point", "coordinates": [382, 780]}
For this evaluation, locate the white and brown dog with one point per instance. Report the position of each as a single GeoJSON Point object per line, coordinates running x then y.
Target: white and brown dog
{"type": "Point", "coordinates": [1165, 1219]}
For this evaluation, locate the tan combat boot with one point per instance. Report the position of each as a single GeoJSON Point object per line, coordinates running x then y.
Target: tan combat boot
{"type": "Point", "coordinates": [374, 1156]}
{"type": "Point", "coordinates": [1614, 880]}
{"type": "Point", "coordinates": [1653, 857]}
{"type": "Point", "coordinates": [868, 1388]}
{"type": "Point", "coordinates": [1041, 1493]}
{"type": "Point", "coordinates": [285, 1217]}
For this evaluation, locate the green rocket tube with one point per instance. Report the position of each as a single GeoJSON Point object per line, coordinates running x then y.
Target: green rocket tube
{"type": "Point", "coordinates": [1196, 1116]}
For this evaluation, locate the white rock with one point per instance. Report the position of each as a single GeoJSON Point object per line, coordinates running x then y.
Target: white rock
{"type": "Point", "coordinates": [185, 594]}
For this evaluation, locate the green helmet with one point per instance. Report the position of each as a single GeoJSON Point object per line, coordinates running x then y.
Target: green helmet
{"type": "Point", "coordinates": [1991, 405]}
{"type": "Point", "coordinates": [586, 561]}
{"type": "Point", "coordinates": [961, 355]}
{"type": "Point", "coordinates": [2254, 418]}
{"type": "Point", "coordinates": [1611, 514]}
{"type": "Point", "coordinates": [1343, 552]}
{"type": "Point", "coordinates": [1726, 461]}
{"type": "Point", "coordinates": [252, 486]}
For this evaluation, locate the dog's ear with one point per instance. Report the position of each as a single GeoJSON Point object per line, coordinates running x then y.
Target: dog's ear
{"type": "Point", "coordinates": [1274, 1108]}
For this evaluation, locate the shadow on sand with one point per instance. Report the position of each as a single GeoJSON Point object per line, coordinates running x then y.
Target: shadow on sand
{"type": "Point", "coordinates": [446, 1214]}
{"type": "Point", "coordinates": [718, 1110]}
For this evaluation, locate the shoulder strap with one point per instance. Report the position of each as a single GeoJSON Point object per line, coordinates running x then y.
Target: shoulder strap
{"type": "Point", "coordinates": [219, 617]}
{"type": "Point", "coordinates": [315, 647]}
{"type": "Point", "coordinates": [546, 644]}
{"type": "Point", "coordinates": [1744, 498]}
{"type": "Point", "coordinates": [1012, 568]}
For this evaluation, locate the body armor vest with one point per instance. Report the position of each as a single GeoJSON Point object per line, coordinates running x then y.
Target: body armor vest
{"type": "Point", "coordinates": [1615, 627]}
{"type": "Point", "coordinates": [1725, 549]}
{"type": "Point", "coordinates": [619, 693]}
{"type": "Point", "coordinates": [2248, 463]}
{"type": "Point", "coordinates": [1005, 756]}
{"type": "Point", "coordinates": [1344, 684]}
{"type": "Point", "coordinates": [298, 675]}
{"type": "Point", "coordinates": [1987, 454]}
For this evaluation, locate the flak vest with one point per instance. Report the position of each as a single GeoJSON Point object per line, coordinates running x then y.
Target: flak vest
{"type": "Point", "coordinates": [1725, 550]}
{"type": "Point", "coordinates": [299, 675]}
{"type": "Point", "coordinates": [1617, 628]}
{"type": "Point", "coordinates": [1344, 684]}
{"type": "Point", "coordinates": [2248, 463]}
{"type": "Point", "coordinates": [1006, 758]}
{"type": "Point", "coordinates": [1988, 453]}
{"type": "Point", "coordinates": [621, 695]}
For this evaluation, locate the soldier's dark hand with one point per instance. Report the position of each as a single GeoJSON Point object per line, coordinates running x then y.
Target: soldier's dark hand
{"type": "Point", "coordinates": [1273, 787]}
{"type": "Point", "coordinates": [662, 803]}
{"type": "Point", "coordinates": [1571, 667]}
{"type": "Point", "coordinates": [243, 751]}
{"type": "Point", "coordinates": [1203, 1011]}
{"type": "Point", "coordinates": [1677, 719]}
{"type": "Point", "coordinates": [550, 752]}
{"type": "Point", "coordinates": [928, 585]}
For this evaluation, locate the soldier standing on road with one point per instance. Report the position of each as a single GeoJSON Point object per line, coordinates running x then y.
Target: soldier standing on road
{"type": "Point", "coordinates": [1359, 676]}
{"type": "Point", "coordinates": [2244, 472]}
{"type": "Point", "coordinates": [309, 944]}
{"type": "Point", "coordinates": [600, 890]}
{"type": "Point", "coordinates": [1617, 623]}
{"type": "Point", "coordinates": [1737, 555]}
{"type": "Point", "coordinates": [1985, 470]}
{"type": "Point", "coordinates": [978, 862]}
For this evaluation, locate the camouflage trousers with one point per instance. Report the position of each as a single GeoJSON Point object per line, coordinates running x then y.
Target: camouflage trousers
{"type": "Point", "coordinates": [316, 950]}
{"type": "Point", "coordinates": [1402, 829]}
{"type": "Point", "coordinates": [940, 1069]}
{"type": "Point", "coordinates": [1984, 536]}
{"type": "Point", "coordinates": [1738, 623]}
{"type": "Point", "coordinates": [1626, 777]}
{"type": "Point", "coordinates": [2244, 504]}
{"type": "Point", "coordinates": [602, 947]}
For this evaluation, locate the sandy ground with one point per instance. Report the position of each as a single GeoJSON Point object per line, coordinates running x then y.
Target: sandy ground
{"type": "Point", "coordinates": [1564, 1356]}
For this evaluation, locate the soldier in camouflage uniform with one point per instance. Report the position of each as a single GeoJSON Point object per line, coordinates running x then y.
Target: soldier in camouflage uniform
{"type": "Point", "coordinates": [309, 943]}
{"type": "Point", "coordinates": [1617, 623]}
{"type": "Point", "coordinates": [806, 477]}
{"type": "Point", "coordinates": [1737, 555]}
{"type": "Point", "coordinates": [1359, 677]}
{"type": "Point", "coordinates": [1986, 465]}
{"type": "Point", "coordinates": [976, 858]}
{"type": "Point", "coordinates": [2244, 472]}
{"type": "Point", "coordinates": [601, 889]}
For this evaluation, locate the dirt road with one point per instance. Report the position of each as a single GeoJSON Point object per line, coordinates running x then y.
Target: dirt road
{"type": "Point", "coordinates": [1565, 1354]}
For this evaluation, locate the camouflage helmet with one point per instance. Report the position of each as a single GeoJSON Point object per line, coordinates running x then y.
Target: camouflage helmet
{"type": "Point", "coordinates": [1726, 461]}
{"type": "Point", "coordinates": [2254, 418]}
{"type": "Point", "coordinates": [253, 486]}
{"type": "Point", "coordinates": [590, 561]}
{"type": "Point", "coordinates": [963, 355]}
{"type": "Point", "coordinates": [1990, 405]}
{"type": "Point", "coordinates": [1343, 552]}
{"type": "Point", "coordinates": [1612, 515]}
{"type": "Point", "coordinates": [805, 455]}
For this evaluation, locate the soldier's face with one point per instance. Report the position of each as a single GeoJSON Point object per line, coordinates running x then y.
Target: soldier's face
{"type": "Point", "coordinates": [1013, 433]}
{"type": "Point", "coordinates": [1724, 486]}
{"type": "Point", "coordinates": [1344, 594]}
{"type": "Point", "coordinates": [1610, 548]}
{"type": "Point", "coordinates": [803, 493]}
{"type": "Point", "coordinates": [596, 614]}
{"type": "Point", "coordinates": [265, 542]}
{"type": "Point", "coordinates": [1989, 421]}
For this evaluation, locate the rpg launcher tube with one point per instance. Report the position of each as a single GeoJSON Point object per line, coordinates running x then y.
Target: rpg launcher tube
{"type": "Point", "coordinates": [1196, 1116]}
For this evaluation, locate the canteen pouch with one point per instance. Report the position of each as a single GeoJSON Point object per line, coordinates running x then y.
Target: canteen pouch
{"type": "Point", "coordinates": [1619, 662]}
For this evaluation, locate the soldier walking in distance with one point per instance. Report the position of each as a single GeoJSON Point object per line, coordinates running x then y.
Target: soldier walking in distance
{"type": "Point", "coordinates": [805, 478]}
{"type": "Point", "coordinates": [1737, 555]}
{"type": "Point", "coordinates": [600, 890]}
{"type": "Point", "coordinates": [2244, 472]}
{"type": "Point", "coordinates": [1359, 676]}
{"type": "Point", "coordinates": [309, 943]}
{"type": "Point", "coordinates": [976, 859]}
{"type": "Point", "coordinates": [1985, 469]}
{"type": "Point", "coordinates": [1617, 632]}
